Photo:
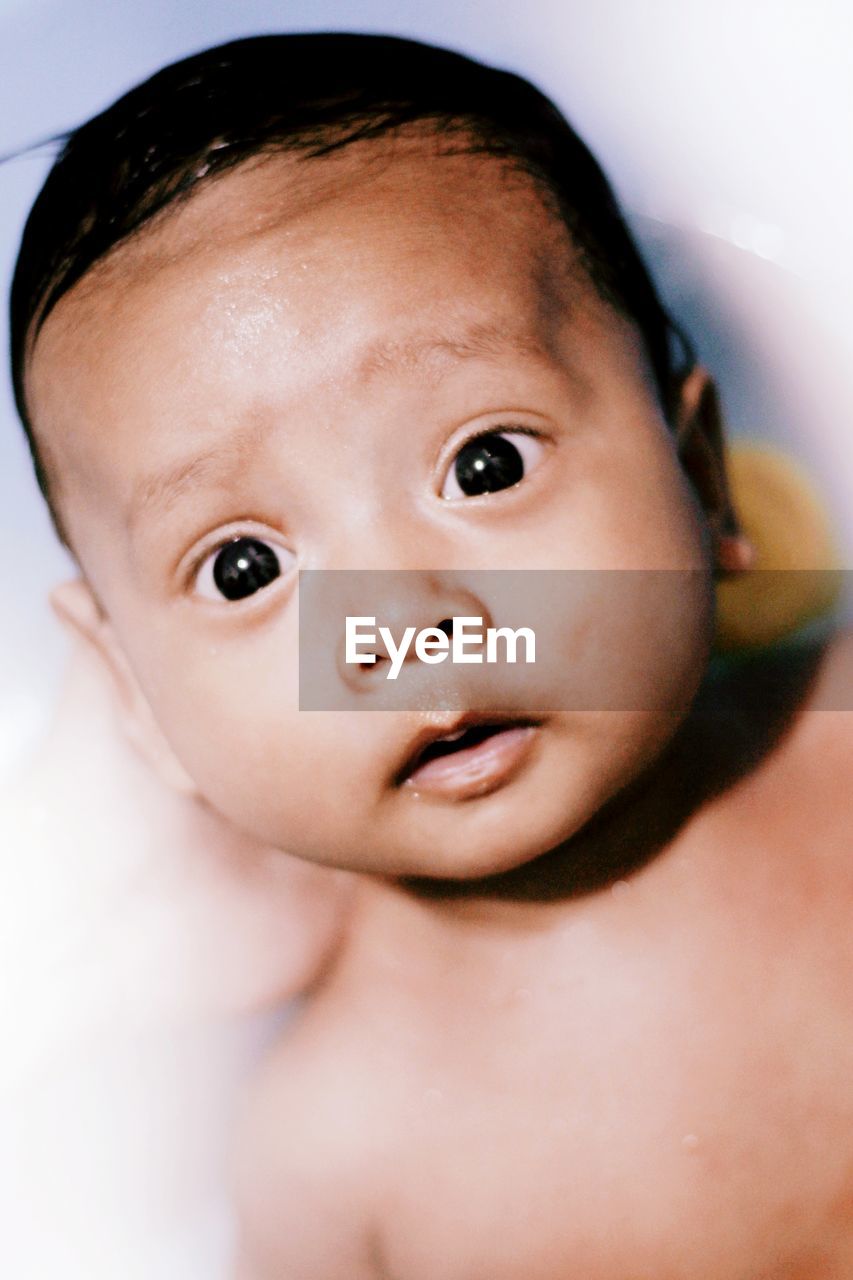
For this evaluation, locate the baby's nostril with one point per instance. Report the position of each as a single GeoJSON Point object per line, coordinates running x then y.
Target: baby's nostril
{"type": "Point", "coordinates": [446, 625]}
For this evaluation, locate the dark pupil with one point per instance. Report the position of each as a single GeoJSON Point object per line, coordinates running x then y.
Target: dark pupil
{"type": "Point", "coordinates": [243, 567]}
{"type": "Point", "coordinates": [487, 464]}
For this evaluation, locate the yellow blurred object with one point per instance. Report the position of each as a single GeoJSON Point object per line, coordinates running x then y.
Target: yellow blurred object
{"type": "Point", "coordinates": [795, 576]}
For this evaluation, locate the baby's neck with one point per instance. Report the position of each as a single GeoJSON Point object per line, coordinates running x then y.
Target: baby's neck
{"type": "Point", "coordinates": [413, 943]}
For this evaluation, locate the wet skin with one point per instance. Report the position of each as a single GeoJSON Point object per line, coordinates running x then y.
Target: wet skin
{"type": "Point", "coordinates": [301, 329]}
{"type": "Point", "coordinates": [507, 1079]}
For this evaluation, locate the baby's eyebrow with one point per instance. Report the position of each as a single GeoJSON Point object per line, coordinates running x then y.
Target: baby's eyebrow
{"type": "Point", "coordinates": [159, 491]}
{"type": "Point", "coordinates": [486, 340]}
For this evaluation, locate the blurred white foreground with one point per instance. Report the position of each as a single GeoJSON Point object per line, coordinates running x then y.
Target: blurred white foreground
{"type": "Point", "coordinates": [144, 951]}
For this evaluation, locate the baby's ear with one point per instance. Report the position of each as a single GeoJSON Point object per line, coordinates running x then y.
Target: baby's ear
{"type": "Point", "coordinates": [80, 612]}
{"type": "Point", "coordinates": [700, 442]}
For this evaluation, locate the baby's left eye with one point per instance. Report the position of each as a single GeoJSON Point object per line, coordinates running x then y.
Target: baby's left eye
{"type": "Point", "coordinates": [490, 462]}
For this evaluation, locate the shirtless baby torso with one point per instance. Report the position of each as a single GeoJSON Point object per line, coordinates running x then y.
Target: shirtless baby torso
{"type": "Point", "coordinates": [651, 1081]}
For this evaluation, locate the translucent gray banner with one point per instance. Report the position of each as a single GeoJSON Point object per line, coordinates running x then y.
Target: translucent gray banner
{"type": "Point", "coordinates": [531, 642]}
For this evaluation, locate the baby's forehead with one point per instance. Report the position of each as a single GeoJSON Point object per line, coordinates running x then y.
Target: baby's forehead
{"type": "Point", "coordinates": [403, 192]}
{"type": "Point", "coordinates": [375, 247]}
{"type": "Point", "coordinates": [362, 210]}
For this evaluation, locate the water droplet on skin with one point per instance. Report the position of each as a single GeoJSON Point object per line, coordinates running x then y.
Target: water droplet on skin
{"type": "Point", "coordinates": [620, 888]}
{"type": "Point", "coordinates": [690, 1142]}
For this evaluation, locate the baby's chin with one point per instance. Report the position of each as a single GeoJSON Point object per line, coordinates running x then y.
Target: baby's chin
{"type": "Point", "coordinates": [544, 832]}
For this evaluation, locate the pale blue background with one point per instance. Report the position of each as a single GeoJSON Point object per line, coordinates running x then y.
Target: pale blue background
{"type": "Point", "coordinates": [725, 127]}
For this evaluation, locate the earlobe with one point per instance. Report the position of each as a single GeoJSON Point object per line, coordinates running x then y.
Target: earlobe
{"type": "Point", "coordinates": [80, 612]}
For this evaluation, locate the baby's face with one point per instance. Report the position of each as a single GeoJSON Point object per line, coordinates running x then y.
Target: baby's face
{"type": "Point", "coordinates": [305, 348]}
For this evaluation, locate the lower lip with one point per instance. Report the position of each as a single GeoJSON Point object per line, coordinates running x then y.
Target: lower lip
{"type": "Point", "coordinates": [477, 770]}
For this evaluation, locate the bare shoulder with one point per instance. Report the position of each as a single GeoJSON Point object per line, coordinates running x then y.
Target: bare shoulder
{"type": "Point", "coordinates": [801, 796]}
{"type": "Point", "coordinates": [215, 921]}
{"type": "Point", "coordinates": [795, 802]}
{"type": "Point", "coordinates": [826, 720]}
{"type": "Point", "coordinates": [301, 1182]}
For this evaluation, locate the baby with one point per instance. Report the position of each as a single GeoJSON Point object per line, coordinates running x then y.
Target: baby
{"type": "Point", "coordinates": [326, 302]}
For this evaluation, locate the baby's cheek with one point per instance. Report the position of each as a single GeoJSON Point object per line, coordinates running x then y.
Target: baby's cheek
{"type": "Point", "coordinates": [218, 714]}
{"type": "Point", "coordinates": [630, 640]}
{"type": "Point", "coordinates": [281, 775]}
{"type": "Point", "coordinates": [656, 520]}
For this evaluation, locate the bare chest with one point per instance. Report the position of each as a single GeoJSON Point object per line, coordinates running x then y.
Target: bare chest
{"type": "Point", "coordinates": [649, 1091]}
{"type": "Point", "coordinates": [659, 1083]}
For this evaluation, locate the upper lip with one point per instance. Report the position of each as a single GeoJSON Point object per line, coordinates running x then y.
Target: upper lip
{"type": "Point", "coordinates": [433, 732]}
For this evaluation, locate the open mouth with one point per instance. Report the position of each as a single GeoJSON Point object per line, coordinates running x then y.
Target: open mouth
{"type": "Point", "coordinates": [459, 741]}
{"type": "Point", "coordinates": [478, 750]}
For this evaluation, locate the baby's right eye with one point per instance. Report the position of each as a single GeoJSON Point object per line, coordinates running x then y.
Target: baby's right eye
{"type": "Point", "coordinates": [239, 568]}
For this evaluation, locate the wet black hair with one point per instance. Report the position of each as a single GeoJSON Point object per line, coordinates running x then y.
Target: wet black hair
{"type": "Point", "coordinates": [311, 93]}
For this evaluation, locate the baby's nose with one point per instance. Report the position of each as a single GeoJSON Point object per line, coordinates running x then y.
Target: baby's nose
{"type": "Point", "coordinates": [382, 649]}
{"type": "Point", "coordinates": [387, 610]}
